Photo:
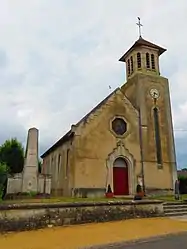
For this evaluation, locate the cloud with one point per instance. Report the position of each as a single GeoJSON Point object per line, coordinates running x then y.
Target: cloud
{"type": "Point", "coordinates": [57, 59]}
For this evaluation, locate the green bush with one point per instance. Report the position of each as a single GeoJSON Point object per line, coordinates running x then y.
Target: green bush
{"type": "Point", "coordinates": [182, 184]}
{"type": "Point", "coordinates": [182, 178]}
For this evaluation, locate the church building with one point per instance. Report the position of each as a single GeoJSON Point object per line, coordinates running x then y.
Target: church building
{"type": "Point", "coordinates": [127, 139]}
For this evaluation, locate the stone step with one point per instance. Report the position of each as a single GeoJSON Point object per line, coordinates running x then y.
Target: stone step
{"type": "Point", "coordinates": [175, 207]}
{"type": "Point", "coordinates": [174, 203]}
{"type": "Point", "coordinates": [175, 210]}
{"type": "Point", "coordinates": [176, 214]}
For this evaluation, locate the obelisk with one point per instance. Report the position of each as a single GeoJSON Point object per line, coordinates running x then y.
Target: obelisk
{"type": "Point", "coordinates": [30, 170]}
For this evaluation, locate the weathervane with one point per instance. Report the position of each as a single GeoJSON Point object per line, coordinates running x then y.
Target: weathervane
{"type": "Point", "coordinates": [139, 25]}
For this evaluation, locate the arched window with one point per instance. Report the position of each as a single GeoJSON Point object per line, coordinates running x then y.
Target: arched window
{"type": "Point", "coordinates": [67, 162]}
{"type": "Point", "coordinates": [147, 60]}
{"type": "Point", "coordinates": [132, 66]}
{"type": "Point", "coordinates": [51, 165]}
{"type": "Point", "coordinates": [59, 163]}
{"type": "Point", "coordinates": [152, 61]}
{"type": "Point", "coordinates": [157, 136]}
{"type": "Point", "coordinates": [55, 164]}
{"type": "Point", "coordinates": [139, 63]}
{"type": "Point", "coordinates": [128, 67]}
{"type": "Point", "coordinates": [48, 167]}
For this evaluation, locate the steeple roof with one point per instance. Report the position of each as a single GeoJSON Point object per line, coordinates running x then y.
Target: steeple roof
{"type": "Point", "coordinates": [141, 42]}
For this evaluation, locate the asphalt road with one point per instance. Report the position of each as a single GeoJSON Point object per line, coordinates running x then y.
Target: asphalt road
{"type": "Point", "coordinates": [166, 242]}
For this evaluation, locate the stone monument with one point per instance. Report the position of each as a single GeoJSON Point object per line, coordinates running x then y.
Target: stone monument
{"type": "Point", "coordinates": [30, 180]}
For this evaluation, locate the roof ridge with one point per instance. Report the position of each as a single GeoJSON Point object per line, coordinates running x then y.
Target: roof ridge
{"type": "Point", "coordinates": [70, 133]}
{"type": "Point", "coordinates": [97, 106]}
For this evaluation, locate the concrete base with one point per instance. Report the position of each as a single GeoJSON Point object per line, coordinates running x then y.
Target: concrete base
{"type": "Point", "coordinates": [160, 192]}
{"type": "Point", "coordinates": [89, 192]}
{"type": "Point", "coordinates": [15, 185]}
{"type": "Point", "coordinates": [57, 192]}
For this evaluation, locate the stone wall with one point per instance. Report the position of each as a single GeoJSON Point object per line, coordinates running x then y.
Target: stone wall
{"type": "Point", "coordinates": [19, 217]}
{"type": "Point", "coordinates": [14, 183]}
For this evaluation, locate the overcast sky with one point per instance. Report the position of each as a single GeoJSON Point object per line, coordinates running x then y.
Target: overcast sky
{"type": "Point", "coordinates": [58, 57]}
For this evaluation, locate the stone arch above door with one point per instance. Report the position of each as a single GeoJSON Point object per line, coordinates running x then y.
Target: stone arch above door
{"type": "Point", "coordinates": [120, 152]}
{"type": "Point", "coordinates": [120, 162]}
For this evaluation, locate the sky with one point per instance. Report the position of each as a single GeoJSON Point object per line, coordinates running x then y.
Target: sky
{"type": "Point", "coordinates": [58, 58]}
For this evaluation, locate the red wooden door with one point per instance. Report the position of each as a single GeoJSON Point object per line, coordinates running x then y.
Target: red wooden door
{"type": "Point", "coordinates": [120, 180]}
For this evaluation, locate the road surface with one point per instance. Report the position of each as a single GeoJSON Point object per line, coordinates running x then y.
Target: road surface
{"type": "Point", "coordinates": [166, 242]}
{"type": "Point", "coordinates": [101, 234]}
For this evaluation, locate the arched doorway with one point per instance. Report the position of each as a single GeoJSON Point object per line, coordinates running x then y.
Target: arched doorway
{"type": "Point", "coordinates": [120, 177]}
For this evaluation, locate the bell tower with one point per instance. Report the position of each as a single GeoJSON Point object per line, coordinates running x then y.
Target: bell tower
{"type": "Point", "coordinates": [149, 92]}
{"type": "Point", "coordinates": [142, 57]}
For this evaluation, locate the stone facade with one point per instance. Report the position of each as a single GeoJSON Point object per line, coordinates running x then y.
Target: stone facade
{"type": "Point", "coordinates": [34, 216]}
{"type": "Point", "coordinates": [82, 162]}
{"type": "Point", "coordinates": [30, 180]}
{"type": "Point", "coordinates": [166, 172]}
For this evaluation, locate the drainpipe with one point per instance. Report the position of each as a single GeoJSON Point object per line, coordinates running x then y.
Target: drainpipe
{"type": "Point", "coordinates": [141, 150]}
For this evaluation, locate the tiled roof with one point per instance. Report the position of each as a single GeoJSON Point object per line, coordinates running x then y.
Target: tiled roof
{"type": "Point", "coordinates": [141, 42]}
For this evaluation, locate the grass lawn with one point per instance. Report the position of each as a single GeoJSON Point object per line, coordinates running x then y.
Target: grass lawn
{"type": "Point", "coordinates": [169, 198]}
{"type": "Point", "coordinates": [63, 200]}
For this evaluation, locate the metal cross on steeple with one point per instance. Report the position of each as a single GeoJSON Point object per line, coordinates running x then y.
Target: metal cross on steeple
{"type": "Point", "coordinates": [139, 25]}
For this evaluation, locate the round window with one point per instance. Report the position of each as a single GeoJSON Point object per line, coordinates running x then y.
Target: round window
{"type": "Point", "coordinates": [119, 126]}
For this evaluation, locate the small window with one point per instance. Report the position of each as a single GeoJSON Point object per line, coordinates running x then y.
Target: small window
{"type": "Point", "coordinates": [132, 66]}
{"type": "Point", "coordinates": [147, 60]}
{"type": "Point", "coordinates": [139, 63]}
{"type": "Point", "coordinates": [128, 65]}
{"type": "Point", "coordinates": [152, 61]}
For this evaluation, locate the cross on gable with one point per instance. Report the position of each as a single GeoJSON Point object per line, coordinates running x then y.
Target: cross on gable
{"type": "Point", "coordinates": [139, 26]}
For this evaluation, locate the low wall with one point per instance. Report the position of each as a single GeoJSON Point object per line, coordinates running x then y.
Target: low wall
{"type": "Point", "coordinates": [19, 217]}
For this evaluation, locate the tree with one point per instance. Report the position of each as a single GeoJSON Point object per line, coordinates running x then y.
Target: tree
{"type": "Point", "coordinates": [3, 169]}
{"type": "Point", "coordinates": [12, 154]}
{"type": "Point", "coordinates": [3, 178]}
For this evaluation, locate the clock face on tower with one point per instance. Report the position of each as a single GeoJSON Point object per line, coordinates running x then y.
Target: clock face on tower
{"type": "Point", "coordinates": [154, 93]}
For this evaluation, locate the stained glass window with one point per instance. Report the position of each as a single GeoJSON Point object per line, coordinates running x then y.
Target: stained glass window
{"type": "Point", "coordinates": [119, 126]}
